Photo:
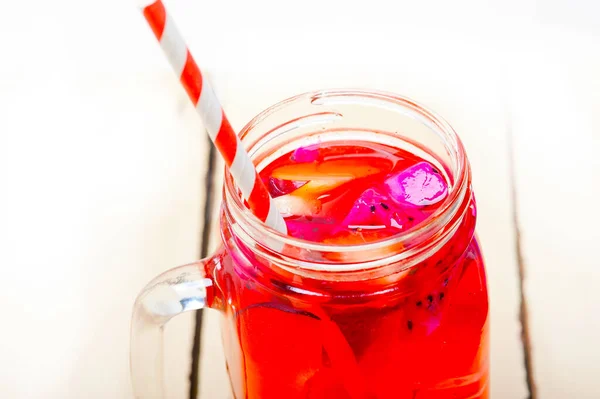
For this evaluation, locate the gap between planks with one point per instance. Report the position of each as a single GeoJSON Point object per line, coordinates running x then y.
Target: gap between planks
{"type": "Point", "coordinates": [523, 307]}
{"type": "Point", "coordinates": [204, 244]}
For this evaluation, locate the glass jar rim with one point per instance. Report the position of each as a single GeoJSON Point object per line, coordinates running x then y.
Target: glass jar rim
{"type": "Point", "coordinates": [407, 244]}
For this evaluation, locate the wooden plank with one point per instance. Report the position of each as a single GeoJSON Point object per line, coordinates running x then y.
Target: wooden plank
{"type": "Point", "coordinates": [555, 126]}
{"type": "Point", "coordinates": [102, 193]}
{"type": "Point", "coordinates": [102, 164]}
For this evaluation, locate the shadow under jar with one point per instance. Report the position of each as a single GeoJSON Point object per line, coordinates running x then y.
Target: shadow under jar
{"type": "Point", "coordinates": [401, 317]}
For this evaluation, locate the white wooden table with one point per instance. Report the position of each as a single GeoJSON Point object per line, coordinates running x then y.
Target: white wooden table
{"type": "Point", "coordinates": [103, 170]}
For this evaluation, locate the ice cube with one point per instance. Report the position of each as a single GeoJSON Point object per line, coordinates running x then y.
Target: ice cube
{"type": "Point", "coordinates": [304, 201]}
{"type": "Point", "coordinates": [419, 185]}
{"type": "Point", "coordinates": [374, 210]}
{"type": "Point", "coordinates": [338, 169]}
{"type": "Point", "coordinates": [370, 211]}
{"type": "Point", "coordinates": [292, 205]}
{"type": "Point", "coordinates": [306, 154]}
{"type": "Point", "coordinates": [278, 187]}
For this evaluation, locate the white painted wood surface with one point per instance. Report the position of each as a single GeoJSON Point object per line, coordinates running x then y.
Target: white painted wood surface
{"type": "Point", "coordinates": [102, 194]}
{"type": "Point", "coordinates": [102, 189]}
{"type": "Point", "coordinates": [556, 128]}
{"type": "Point", "coordinates": [102, 163]}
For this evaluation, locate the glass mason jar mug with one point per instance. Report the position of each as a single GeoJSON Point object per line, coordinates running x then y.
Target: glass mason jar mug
{"type": "Point", "coordinates": [402, 317]}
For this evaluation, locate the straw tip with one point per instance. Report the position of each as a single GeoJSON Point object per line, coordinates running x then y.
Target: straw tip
{"type": "Point", "coordinates": [145, 3]}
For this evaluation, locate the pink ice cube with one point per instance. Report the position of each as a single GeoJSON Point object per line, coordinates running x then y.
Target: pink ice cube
{"type": "Point", "coordinates": [306, 154]}
{"type": "Point", "coordinates": [374, 210]}
{"type": "Point", "coordinates": [279, 187]}
{"type": "Point", "coordinates": [419, 185]}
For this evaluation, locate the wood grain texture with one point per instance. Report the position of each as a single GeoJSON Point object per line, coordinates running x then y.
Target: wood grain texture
{"type": "Point", "coordinates": [103, 194]}
{"type": "Point", "coordinates": [100, 191]}
{"type": "Point", "coordinates": [556, 97]}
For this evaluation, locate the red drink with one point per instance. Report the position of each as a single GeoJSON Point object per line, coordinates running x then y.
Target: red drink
{"type": "Point", "coordinates": [419, 332]}
{"type": "Point", "coordinates": [378, 291]}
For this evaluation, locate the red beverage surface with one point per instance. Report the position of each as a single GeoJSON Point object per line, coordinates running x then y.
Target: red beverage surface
{"type": "Point", "coordinates": [348, 194]}
{"type": "Point", "coordinates": [420, 333]}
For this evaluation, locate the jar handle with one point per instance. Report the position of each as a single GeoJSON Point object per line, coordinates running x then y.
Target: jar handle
{"type": "Point", "coordinates": [184, 288]}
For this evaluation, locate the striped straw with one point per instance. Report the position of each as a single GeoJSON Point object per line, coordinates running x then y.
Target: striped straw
{"type": "Point", "coordinates": [208, 107]}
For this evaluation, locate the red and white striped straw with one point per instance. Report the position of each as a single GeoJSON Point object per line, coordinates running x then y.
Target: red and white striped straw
{"type": "Point", "coordinates": [208, 107]}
